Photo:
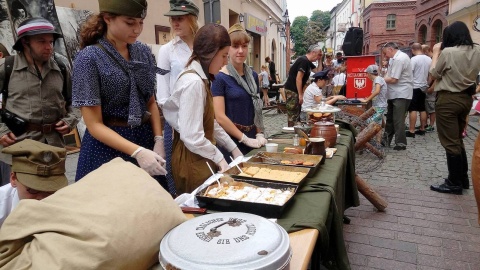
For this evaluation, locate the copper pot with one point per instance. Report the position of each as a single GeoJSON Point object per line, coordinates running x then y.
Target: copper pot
{"type": "Point", "coordinates": [325, 130]}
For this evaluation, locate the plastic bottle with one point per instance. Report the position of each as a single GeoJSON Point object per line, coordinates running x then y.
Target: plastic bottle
{"type": "Point", "coordinates": [322, 103]}
{"type": "Point", "coordinates": [296, 140]}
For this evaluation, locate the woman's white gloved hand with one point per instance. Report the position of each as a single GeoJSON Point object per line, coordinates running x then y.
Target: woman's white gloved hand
{"type": "Point", "coordinates": [159, 147]}
{"type": "Point", "coordinates": [150, 161]}
{"type": "Point", "coordinates": [261, 139]}
{"type": "Point", "coordinates": [222, 166]}
{"type": "Point", "coordinates": [253, 143]}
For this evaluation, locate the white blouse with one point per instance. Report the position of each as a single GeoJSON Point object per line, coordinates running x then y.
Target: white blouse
{"type": "Point", "coordinates": [8, 201]}
{"type": "Point", "coordinates": [184, 112]}
{"type": "Point", "coordinates": [172, 56]}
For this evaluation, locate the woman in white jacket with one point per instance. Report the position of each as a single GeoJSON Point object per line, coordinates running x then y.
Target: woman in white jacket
{"type": "Point", "coordinates": [173, 56]}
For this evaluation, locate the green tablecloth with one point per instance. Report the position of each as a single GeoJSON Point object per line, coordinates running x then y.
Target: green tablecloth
{"type": "Point", "coordinates": [321, 201]}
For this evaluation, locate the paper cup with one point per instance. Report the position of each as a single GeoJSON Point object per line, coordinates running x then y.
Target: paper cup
{"type": "Point", "coordinates": [271, 147]}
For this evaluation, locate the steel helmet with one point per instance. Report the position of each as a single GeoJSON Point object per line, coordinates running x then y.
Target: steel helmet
{"type": "Point", "coordinates": [32, 27]}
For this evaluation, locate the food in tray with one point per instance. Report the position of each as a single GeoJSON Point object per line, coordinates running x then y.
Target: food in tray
{"type": "Point", "coordinates": [297, 162]}
{"type": "Point", "coordinates": [272, 174]}
{"type": "Point", "coordinates": [239, 191]}
{"type": "Point", "coordinates": [293, 150]}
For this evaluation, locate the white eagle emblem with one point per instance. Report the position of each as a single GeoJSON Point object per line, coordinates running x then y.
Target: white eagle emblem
{"type": "Point", "coordinates": [360, 83]}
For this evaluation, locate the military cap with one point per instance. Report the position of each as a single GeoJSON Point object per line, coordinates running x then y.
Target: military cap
{"type": "Point", "coordinates": [236, 27]}
{"type": "Point", "coordinates": [130, 8]}
{"type": "Point", "coordinates": [37, 165]}
{"type": "Point", "coordinates": [182, 7]}
{"type": "Point", "coordinates": [322, 75]}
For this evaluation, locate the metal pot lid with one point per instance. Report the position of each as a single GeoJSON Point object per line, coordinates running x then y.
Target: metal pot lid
{"type": "Point", "coordinates": [229, 240]}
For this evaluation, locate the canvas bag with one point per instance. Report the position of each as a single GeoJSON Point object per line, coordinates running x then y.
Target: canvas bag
{"type": "Point", "coordinates": [113, 218]}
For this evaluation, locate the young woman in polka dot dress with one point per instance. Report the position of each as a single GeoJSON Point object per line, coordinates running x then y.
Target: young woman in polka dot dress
{"type": "Point", "coordinates": [114, 85]}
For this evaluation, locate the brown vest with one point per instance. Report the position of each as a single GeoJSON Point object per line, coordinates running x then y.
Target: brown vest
{"type": "Point", "coordinates": [189, 169]}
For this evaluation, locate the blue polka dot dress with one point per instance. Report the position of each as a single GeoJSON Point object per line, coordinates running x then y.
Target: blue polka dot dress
{"type": "Point", "coordinates": [122, 89]}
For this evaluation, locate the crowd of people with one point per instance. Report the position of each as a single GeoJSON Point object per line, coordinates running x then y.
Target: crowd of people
{"type": "Point", "coordinates": [198, 106]}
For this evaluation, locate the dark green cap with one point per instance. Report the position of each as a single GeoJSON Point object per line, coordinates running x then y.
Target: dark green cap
{"type": "Point", "coordinates": [37, 165]}
{"type": "Point", "coordinates": [182, 7]}
{"type": "Point", "coordinates": [130, 8]}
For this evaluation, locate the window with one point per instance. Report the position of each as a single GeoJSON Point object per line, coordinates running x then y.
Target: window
{"type": "Point", "coordinates": [438, 29]}
{"type": "Point", "coordinates": [422, 34]}
{"type": "Point", "coordinates": [391, 21]}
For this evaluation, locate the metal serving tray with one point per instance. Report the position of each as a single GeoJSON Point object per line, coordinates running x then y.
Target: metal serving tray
{"type": "Point", "coordinates": [234, 171]}
{"type": "Point", "coordinates": [272, 158]}
{"type": "Point", "coordinates": [261, 209]}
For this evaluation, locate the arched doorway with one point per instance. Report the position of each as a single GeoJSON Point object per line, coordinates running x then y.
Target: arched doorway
{"type": "Point", "coordinates": [422, 34]}
{"type": "Point", "coordinates": [274, 50]}
{"type": "Point", "coordinates": [437, 31]}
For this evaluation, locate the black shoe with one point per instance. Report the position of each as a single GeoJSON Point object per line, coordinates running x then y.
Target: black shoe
{"type": "Point", "coordinates": [410, 134]}
{"type": "Point", "coordinates": [420, 132]}
{"type": "Point", "coordinates": [444, 188]}
{"type": "Point", "coordinates": [465, 183]}
{"type": "Point", "coordinates": [400, 147]}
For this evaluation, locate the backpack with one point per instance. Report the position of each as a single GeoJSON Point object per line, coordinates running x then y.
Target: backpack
{"type": "Point", "coordinates": [9, 60]}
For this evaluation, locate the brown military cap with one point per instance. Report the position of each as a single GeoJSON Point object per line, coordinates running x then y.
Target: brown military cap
{"type": "Point", "coordinates": [37, 165]}
{"type": "Point", "coordinates": [130, 8]}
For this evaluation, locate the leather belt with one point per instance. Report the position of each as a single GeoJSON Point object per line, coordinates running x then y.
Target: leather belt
{"type": "Point", "coordinates": [43, 128]}
{"type": "Point", "coordinates": [120, 122]}
{"type": "Point", "coordinates": [244, 128]}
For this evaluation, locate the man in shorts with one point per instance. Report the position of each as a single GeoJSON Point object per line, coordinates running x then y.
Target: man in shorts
{"type": "Point", "coordinates": [420, 67]}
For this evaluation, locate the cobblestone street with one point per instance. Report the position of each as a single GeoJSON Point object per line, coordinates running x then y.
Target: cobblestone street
{"type": "Point", "coordinates": [420, 229]}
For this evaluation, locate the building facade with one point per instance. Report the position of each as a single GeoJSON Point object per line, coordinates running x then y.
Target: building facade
{"type": "Point", "coordinates": [264, 20]}
{"type": "Point", "coordinates": [430, 21]}
{"type": "Point", "coordinates": [467, 11]}
{"type": "Point", "coordinates": [343, 15]}
{"type": "Point", "coordinates": [388, 21]}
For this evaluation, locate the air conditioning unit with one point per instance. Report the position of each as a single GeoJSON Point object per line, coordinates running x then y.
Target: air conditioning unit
{"type": "Point", "coordinates": [341, 27]}
{"type": "Point", "coordinates": [329, 34]}
{"type": "Point", "coordinates": [339, 47]}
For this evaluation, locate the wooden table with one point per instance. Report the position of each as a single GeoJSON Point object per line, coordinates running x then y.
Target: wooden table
{"type": "Point", "coordinates": [302, 243]}
{"type": "Point", "coordinates": [314, 219]}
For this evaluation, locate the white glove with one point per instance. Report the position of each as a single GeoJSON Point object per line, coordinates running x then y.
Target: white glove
{"type": "Point", "coordinates": [159, 147]}
{"type": "Point", "coordinates": [222, 166]}
{"type": "Point", "coordinates": [261, 139]}
{"type": "Point", "coordinates": [253, 143]}
{"type": "Point", "coordinates": [150, 161]}
{"type": "Point", "coordinates": [236, 153]}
